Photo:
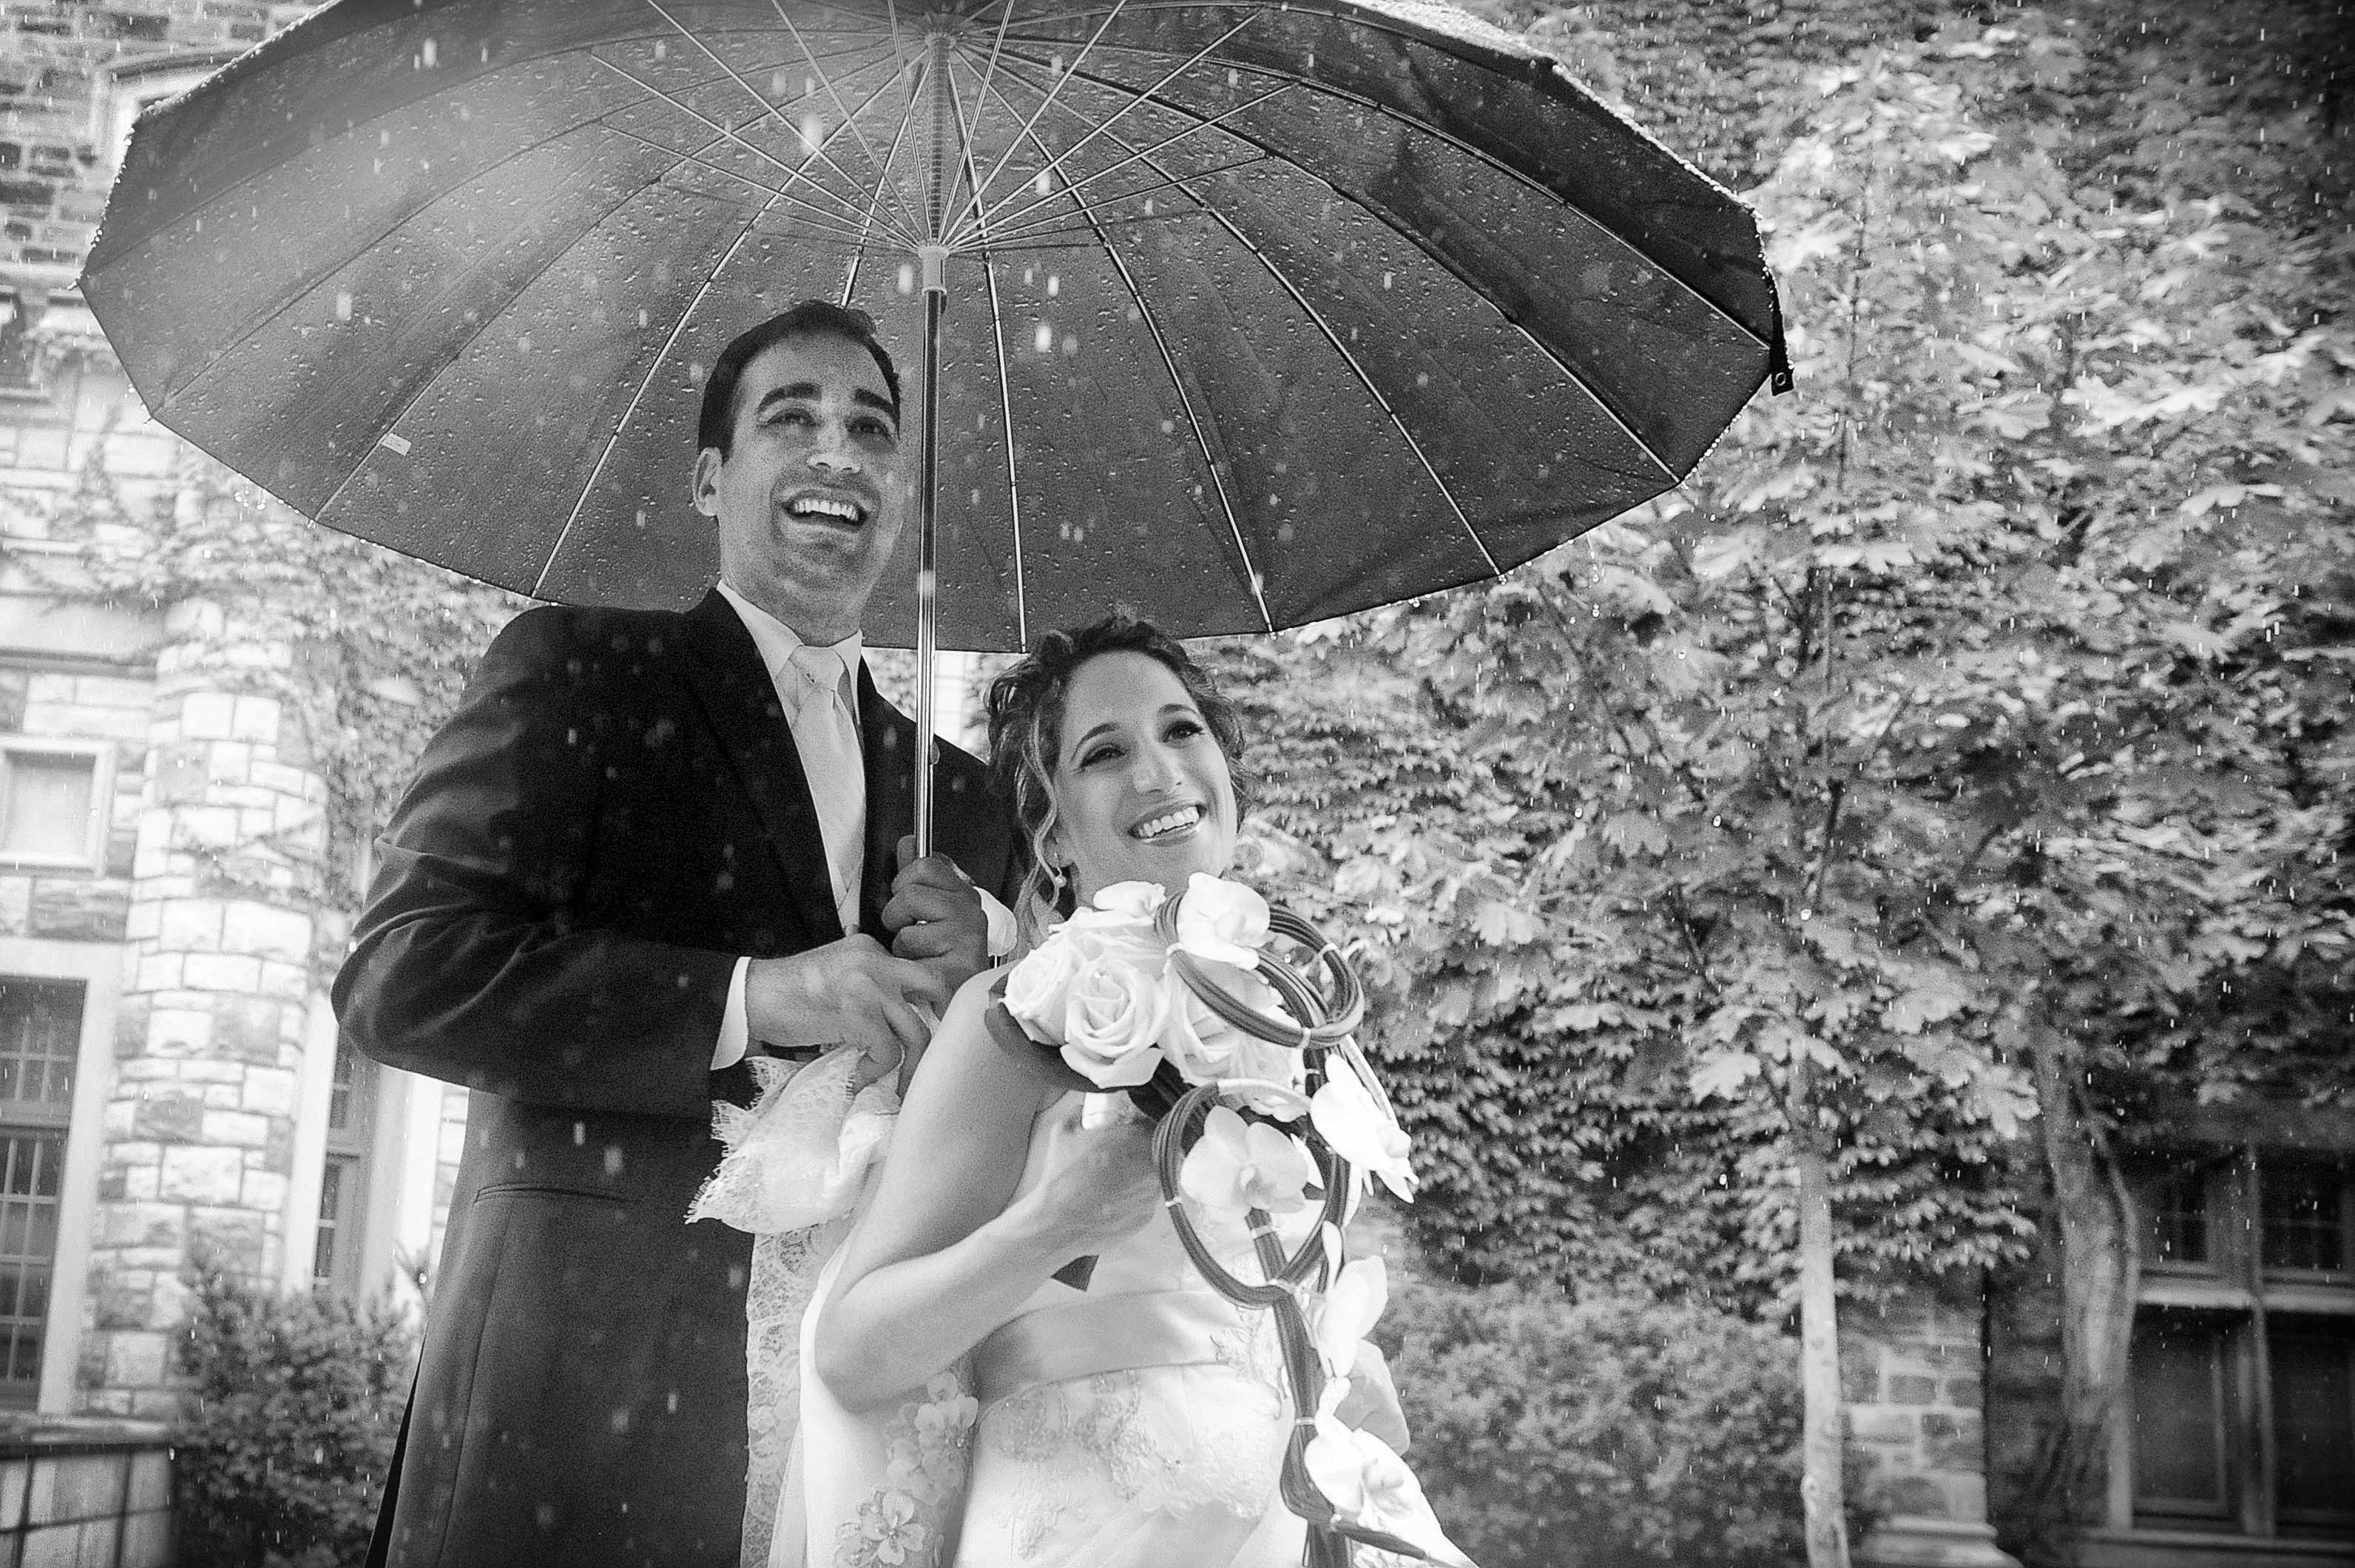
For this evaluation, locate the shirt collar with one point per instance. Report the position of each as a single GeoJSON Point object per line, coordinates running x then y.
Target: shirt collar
{"type": "Point", "coordinates": [776, 641]}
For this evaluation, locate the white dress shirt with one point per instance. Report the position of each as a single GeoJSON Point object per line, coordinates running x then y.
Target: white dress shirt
{"type": "Point", "coordinates": [846, 861]}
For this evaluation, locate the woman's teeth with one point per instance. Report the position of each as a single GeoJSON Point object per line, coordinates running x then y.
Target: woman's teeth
{"type": "Point", "coordinates": [1168, 822]}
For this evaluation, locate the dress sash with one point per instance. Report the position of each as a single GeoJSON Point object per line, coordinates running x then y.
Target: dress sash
{"type": "Point", "coordinates": [1103, 1334]}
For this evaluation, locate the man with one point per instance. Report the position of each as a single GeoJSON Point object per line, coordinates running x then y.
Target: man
{"type": "Point", "coordinates": [646, 843]}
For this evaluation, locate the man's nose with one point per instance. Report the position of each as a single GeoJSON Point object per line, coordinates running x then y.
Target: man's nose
{"type": "Point", "coordinates": [832, 452]}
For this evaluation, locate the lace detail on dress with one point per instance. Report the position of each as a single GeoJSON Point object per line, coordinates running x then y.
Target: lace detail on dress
{"type": "Point", "coordinates": [1155, 1439]}
{"type": "Point", "coordinates": [794, 1165]}
{"type": "Point", "coordinates": [906, 1524]}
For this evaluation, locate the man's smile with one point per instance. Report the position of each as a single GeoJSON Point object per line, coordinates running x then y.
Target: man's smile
{"type": "Point", "coordinates": [826, 506]}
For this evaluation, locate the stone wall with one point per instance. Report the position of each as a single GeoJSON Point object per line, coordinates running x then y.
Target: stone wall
{"type": "Point", "coordinates": [1913, 1373]}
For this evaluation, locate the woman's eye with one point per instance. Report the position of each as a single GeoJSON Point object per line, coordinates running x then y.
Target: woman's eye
{"type": "Point", "coordinates": [1184, 729]}
{"type": "Point", "coordinates": [1098, 754]}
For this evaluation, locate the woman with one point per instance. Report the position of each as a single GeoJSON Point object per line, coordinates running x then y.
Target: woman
{"type": "Point", "coordinates": [1138, 1421]}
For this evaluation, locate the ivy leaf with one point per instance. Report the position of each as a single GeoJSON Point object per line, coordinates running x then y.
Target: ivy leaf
{"type": "Point", "coordinates": [1723, 1074]}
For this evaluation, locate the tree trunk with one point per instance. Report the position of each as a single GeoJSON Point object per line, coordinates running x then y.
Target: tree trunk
{"type": "Point", "coordinates": [2101, 1268]}
{"type": "Point", "coordinates": [1821, 1486]}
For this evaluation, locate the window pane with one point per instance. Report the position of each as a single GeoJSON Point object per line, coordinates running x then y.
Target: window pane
{"type": "Point", "coordinates": [46, 812]}
{"type": "Point", "coordinates": [28, 1230]}
{"type": "Point", "coordinates": [2314, 1425]}
{"type": "Point", "coordinates": [2179, 1216]}
{"type": "Point", "coordinates": [2305, 1227]}
{"type": "Point", "coordinates": [41, 1038]}
{"type": "Point", "coordinates": [331, 1207]}
{"type": "Point", "coordinates": [2178, 1377]}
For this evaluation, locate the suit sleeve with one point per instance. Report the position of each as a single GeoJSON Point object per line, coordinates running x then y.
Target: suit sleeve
{"type": "Point", "coordinates": [469, 963]}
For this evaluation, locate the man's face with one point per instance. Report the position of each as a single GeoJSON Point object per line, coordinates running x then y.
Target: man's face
{"type": "Point", "coordinates": [811, 498]}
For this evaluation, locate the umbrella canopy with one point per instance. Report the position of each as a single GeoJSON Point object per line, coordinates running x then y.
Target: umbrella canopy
{"type": "Point", "coordinates": [1254, 314]}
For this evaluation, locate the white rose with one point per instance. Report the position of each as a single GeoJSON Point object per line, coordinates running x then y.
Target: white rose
{"type": "Point", "coordinates": [1199, 1040]}
{"type": "Point", "coordinates": [1221, 919]}
{"type": "Point", "coordinates": [1113, 1012]}
{"type": "Point", "coordinates": [1037, 988]}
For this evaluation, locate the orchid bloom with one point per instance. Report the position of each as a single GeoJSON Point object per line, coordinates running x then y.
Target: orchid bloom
{"type": "Point", "coordinates": [1222, 921]}
{"type": "Point", "coordinates": [1237, 1166]}
{"type": "Point", "coordinates": [1372, 1488]}
{"type": "Point", "coordinates": [1343, 1316]}
{"type": "Point", "coordinates": [1360, 1130]}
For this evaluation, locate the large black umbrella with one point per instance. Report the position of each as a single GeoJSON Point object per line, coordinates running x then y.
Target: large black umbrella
{"type": "Point", "coordinates": [1245, 315]}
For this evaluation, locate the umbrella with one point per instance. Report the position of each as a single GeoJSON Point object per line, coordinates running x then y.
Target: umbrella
{"type": "Point", "coordinates": [1244, 314]}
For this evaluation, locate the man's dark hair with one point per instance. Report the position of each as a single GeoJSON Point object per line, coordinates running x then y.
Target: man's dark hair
{"type": "Point", "coordinates": [811, 318]}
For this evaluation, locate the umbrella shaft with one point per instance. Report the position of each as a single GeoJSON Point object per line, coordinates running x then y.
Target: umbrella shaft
{"type": "Point", "coordinates": [927, 540]}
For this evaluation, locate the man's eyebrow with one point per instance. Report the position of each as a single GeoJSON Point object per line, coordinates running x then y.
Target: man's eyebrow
{"type": "Point", "coordinates": [874, 401]}
{"type": "Point", "coordinates": [786, 393]}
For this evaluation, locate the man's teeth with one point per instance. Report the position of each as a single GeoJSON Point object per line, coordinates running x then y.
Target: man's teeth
{"type": "Point", "coordinates": [1185, 817]}
{"type": "Point", "coordinates": [822, 507]}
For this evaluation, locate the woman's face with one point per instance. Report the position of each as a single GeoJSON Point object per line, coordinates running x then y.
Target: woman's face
{"type": "Point", "coordinates": [1142, 791]}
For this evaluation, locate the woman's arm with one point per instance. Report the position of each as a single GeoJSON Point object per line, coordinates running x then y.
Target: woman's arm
{"type": "Point", "coordinates": [946, 1253]}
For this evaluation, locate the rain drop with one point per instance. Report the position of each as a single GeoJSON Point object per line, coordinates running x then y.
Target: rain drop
{"type": "Point", "coordinates": [813, 131]}
{"type": "Point", "coordinates": [1423, 378]}
{"type": "Point", "coordinates": [343, 304]}
{"type": "Point", "coordinates": [642, 318]}
{"type": "Point", "coordinates": [430, 54]}
{"type": "Point", "coordinates": [662, 49]}
{"type": "Point", "coordinates": [1055, 65]}
{"type": "Point", "coordinates": [1054, 285]}
{"type": "Point", "coordinates": [1045, 184]}
{"type": "Point", "coordinates": [1043, 340]}
{"type": "Point", "coordinates": [1071, 344]}
{"type": "Point", "coordinates": [907, 277]}
{"type": "Point", "coordinates": [1169, 427]}
{"type": "Point", "coordinates": [1388, 278]}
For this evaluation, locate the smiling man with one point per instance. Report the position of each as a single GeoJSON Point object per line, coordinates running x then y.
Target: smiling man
{"type": "Point", "coordinates": [645, 845]}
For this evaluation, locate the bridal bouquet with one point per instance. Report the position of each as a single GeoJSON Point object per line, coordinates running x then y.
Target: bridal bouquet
{"type": "Point", "coordinates": [1265, 1105]}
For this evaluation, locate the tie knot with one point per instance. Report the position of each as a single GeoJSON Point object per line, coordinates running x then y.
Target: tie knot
{"type": "Point", "coordinates": [821, 668]}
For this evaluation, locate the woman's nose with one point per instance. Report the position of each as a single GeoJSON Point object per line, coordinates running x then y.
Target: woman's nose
{"type": "Point", "coordinates": [1155, 769]}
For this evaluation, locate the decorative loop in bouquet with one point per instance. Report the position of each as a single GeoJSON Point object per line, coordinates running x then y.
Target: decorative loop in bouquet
{"type": "Point", "coordinates": [1316, 1088]}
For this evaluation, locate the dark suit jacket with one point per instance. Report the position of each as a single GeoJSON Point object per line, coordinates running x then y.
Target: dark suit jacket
{"type": "Point", "coordinates": [615, 813]}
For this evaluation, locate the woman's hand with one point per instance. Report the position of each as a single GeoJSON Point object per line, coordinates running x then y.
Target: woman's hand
{"type": "Point", "coordinates": [1104, 1194]}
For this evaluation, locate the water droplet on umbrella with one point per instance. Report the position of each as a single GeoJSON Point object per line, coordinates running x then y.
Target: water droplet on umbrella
{"type": "Point", "coordinates": [642, 318]}
{"type": "Point", "coordinates": [1043, 340]}
{"type": "Point", "coordinates": [907, 277]}
{"type": "Point", "coordinates": [429, 54]}
{"type": "Point", "coordinates": [1388, 278]}
{"type": "Point", "coordinates": [813, 129]}
{"type": "Point", "coordinates": [1054, 285]}
{"type": "Point", "coordinates": [662, 49]}
{"type": "Point", "coordinates": [1045, 184]}
{"type": "Point", "coordinates": [343, 304]}
{"type": "Point", "coordinates": [1071, 344]}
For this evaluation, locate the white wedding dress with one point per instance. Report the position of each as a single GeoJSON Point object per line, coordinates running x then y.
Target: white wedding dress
{"type": "Point", "coordinates": [1140, 1422]}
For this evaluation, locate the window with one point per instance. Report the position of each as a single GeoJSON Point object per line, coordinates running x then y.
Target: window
{"type": "Point", "coordinates": [52, 804]}
{"type": "Point", "coordinates": [343, 1180]}
{"type": "Point", "coordinates": [2241, 1368]}
{"type": "Point", "coordinates": [40, 1036]}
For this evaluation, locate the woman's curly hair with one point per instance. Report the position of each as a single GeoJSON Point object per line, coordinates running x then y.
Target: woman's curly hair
{"type": "Point", "coordinates": [1026, 721]}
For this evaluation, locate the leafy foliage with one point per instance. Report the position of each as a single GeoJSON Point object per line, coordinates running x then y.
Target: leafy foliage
{"type": "Point", "coordinates": [1615, 1433]}
{"type": "Point", "coordinates": [293, 1404]}
{"type": "Point", "coordinates": [1988, 696]}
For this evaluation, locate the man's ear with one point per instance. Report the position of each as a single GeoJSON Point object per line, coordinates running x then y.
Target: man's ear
{"type": "Point", "coordinates": [708, 464]}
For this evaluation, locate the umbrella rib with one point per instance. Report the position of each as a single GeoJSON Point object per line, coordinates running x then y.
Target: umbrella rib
{"type": "Point", "coordinates": [1109, 170]}
{"type": "Point", "coordinates": [1031, 126]}
{"type": "Point", "coordinates": [826, 220]}
{"type": "Point", "coordinates": [852, 216]}
{"type": "Point", "coordinates": [768, 109]}
{"type": "Point", "coordinates": [1449, 139]}
{"type": "Point", "coordinates": [988, 70]}
{"type": "Point", "coordinates": [882, 168]}
{"type": "Point", "coordinates": [1170, 182]}
{"type": "Point", "coordinates": [1359, 370]}
{"type": "Point", "coordinates": [1013, 474]}
{"type": "Point", "coordinates": [1104, 126]}
{"type": "Point", "coordinates": [654, 366]}
{"type": "Point", "coordinates": [1592, 395]}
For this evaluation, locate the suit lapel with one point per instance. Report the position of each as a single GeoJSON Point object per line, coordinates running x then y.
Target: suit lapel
{"type": "Point", "coordinates": [887, 743]}
{"type": "Point", "coordinates": [740, 700]}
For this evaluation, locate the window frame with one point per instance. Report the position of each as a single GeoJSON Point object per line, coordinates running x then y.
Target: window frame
{"type": "Point", "coordinates": [92, 857]}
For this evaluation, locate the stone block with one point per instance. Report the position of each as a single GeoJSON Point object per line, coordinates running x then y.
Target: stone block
{"type": "Point", "coordinates": [168, 1115]}
{"type": "Point", "coordinates": [132, 1015]}
{"type": "Point", "coordinates": [266, 1190]}
{"type": "Point", "coordinates": [253, 1030]}
{"type": "Point", "coordinates": [160, 971]}
{"type": "Point", "coordinates": [1860, 1369]}
{"type": "Point", "coordinates": [268, 1090]}
{"type": "Point", "coordinates": [78, 910]}
{"type": "Point", "coordinates": [111, 1184]}
{"type": "Point", "coordinates": [221, 972]}
{"type": "Point", "coordinates": [265, 932]}
{"type": "Point", "coordinates": [1954, 1443]}
{"type": "Point", "coordinates": [288, 982]}
{"type": "Point", "coordinates": [210, 1072]}
{"type": "Point", "coordinates": [236, 1129]}
{"type": "Point", "coordinates": [140, 1183]}
{"type": "Point", "coordinates": [113, 691]}
{"type": "Point", "coordinates": [207, 827]}
{"type": "Point", "coordinates": [208, 715]}
{"type": "Point", "coordinates": [164, 1405]}
{"type": "Point", "coordinates": [229, 768]}
{"type": "Point", "coordinates": [143, 1225]}
{"type": "Point", "coordinates": [221, 1097]}
{"type": "Point", "coordinates": [122, 1120]}
{"type": "Point", "coordinates": [1964, 1393]}
{"type": "Point", "coordinates": [125, 1306]}
{"type": "Point", "coordinates": [122, 854]}
{"type": "Point", "coordinates": [182, 776]}
{"type": "Point", "coordinates": [146, 919]}
{"type": "Point", "coordinates": [255, 719]}
{"type": "Point", "coordinates": [1913, 1387]}
{"type": "Point", "coordinates": [1916, 1495]}
{"type": "Point", "coordinates": [197, 1174]}
{"type": "Point", "coordinates": [285, 781]}
{"type": "Point", "coordinates": [1878, 1424]}
{"type": "Point", "coordinates": [136, 1359]}
{"type": "Point", "coordinates": [179, 1032]}
{"type": "Point", "coordinates": [235, 1239]}
{"type": "Point", "coordinates": [191, 926]}
{"type": "Point", "coordinates": [15, 904]}
{"type": "Point", "coordinates": [278, 1154]}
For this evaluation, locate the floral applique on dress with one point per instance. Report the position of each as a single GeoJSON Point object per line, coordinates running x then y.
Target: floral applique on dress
{"type": "Point", "coordinates": [928, 1449]}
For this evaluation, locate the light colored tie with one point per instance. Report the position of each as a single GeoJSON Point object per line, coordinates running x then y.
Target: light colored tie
{"type": "Point", "coordinates": [826, 736]}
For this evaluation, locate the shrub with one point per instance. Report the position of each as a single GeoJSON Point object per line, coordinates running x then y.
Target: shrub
{"type": "Point", "coordinates": [293, 1404]}
{"type": "Point", "coordinates": [1611, 1432]}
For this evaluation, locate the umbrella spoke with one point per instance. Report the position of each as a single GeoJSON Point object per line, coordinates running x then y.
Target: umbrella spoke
{"type": "Point", "coordinates": [823, 220]}
{"type": "Point", "coordinates": [1030, 127]}
{"type": "Point", "coordinates": [768, 109]}
{"type": "Point", "coordinates": [1104, 208]}
{"type": "Point", "coordinates": [882, 168]}
{"type": "Point", "coordinates": [851, 216]}
{"type": "Point", "coordinates": [1141, 95]}
{"type": "Point", "coordinates": [1087, 180]}
{"type": "Point", "coordinates": [989, 70]}
{"type": "Point", "coordinates": [1013, 474]}
{"type": "Point", "coordinates": [653, 368]}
